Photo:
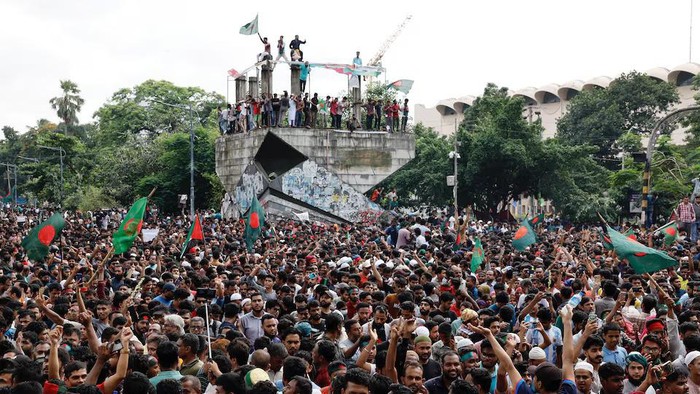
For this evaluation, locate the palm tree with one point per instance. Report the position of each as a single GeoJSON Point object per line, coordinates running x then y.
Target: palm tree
{"type": "Point", "coordinates": [68, 105]}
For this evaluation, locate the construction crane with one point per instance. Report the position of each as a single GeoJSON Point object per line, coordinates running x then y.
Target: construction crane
{"type": "Point", "coordinates": [377, 58]}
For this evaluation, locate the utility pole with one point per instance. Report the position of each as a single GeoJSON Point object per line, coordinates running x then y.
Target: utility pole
{"type": "Point", "coordinates": [455, 156]}
{"type": "Point", "coordinates": [61, 153]}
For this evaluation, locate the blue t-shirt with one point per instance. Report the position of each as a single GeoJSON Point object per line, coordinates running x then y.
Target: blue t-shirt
{"type": "Point", "coordinates": [304, 72]}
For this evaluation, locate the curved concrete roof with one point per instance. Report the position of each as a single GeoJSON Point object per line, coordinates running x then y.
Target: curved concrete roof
{"type": "Point", "coordinates": [527, 93]}
{"type": "Point", "coordinates": [445, 106]}
{"type": "Point", "coordinates": [563, 91]}
{"type": "Point", "coordinates": [660, 73]}
{"type": "Point", "coordinates": [463, 102]}
{"type": "Point", "coordinates": [541, 93]}
{"type": "Point", "coordinates": [692, 68]}
{"type": "Point", "coordinates": [601, 82]}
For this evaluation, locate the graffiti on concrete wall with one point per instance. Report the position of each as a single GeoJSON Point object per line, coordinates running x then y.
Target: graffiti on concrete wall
{"type": "Point", "coordinates": [321, 188]}
{"type": "Point", "coordinates": [252, 183]}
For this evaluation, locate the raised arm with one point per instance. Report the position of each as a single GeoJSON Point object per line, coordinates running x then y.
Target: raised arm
{"type": "Point", "coordinates": [364, 354]}
{"type": "Point", "coordinates": [55, 337]}
{"type": "Point", "coordinates": [503, 358]}
{"type": "Point", "coordinates": [569, 357]}
{"type": "Point", "coordinates": [113, 381]}
{"type": "Point", "coordinates": [102, 357]}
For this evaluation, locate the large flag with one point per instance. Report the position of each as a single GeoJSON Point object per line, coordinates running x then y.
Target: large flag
{"type": "Point", "coordinates": [195, 233]}
{"type": "Point", "coordinates": [524, 237]}
{"type": "Point", "coordinates": [10, 195]}
{"type": "Point", "coordinates": [607, 243]}
{"type": "Point", "coordinates": [670, 232]}
{"type": "Point", "coordinates": [130, 227]}
{"type": "Point", "coordinates": [233, 73]}
{"type": "Point", "coordinates": [630, 234]}
{"type": "Point", "coordinates": [37, 242]}
{"type": "Point", "coordinates": [642, 258]}
{"type": "Point", "coordinates": [536, 220]}
{"type": "Point", "coordinates": [250, 28]}
{"type": "Point", "coordinates": [402, 85]}
{"type": "Point", "coordinates": [254, 221]}
{"type": "Point", "coordinates": [477, 255]}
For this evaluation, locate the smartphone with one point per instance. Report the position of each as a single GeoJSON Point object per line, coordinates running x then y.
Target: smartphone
{"type": "Point", "coordinates": [592, 317]}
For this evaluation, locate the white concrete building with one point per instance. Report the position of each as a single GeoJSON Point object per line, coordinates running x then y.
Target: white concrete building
{"type": "Point", "coordinates": [549, 102]}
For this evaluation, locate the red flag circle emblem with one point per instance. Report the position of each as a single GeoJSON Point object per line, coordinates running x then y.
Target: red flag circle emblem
{"type": "Point", "coordinates": [254, 220]}
{"type": "Point", "coordinates": [131, 227]}
{"type": "Point", "coordinates": [640, 254]}
{"type": "Point", "coordinates": [535, 219]}
{"type": "Point", "coordinates": [46, 235]}
{"type": "Point", "coordinates": [671, 231]}
{"type": "Point", "coordinates": [522, 231]}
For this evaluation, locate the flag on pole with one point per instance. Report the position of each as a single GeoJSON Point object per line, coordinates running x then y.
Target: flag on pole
{"type": "Point", "coordinates": [536, 220]}
{"type": "Point", "coordinates": [607, 243]}
{"type": "Point", "coordinates": [402, 85]}
{"type": "Point", "coordinates": [130, 227]}
{"type": "Point", "coordinates": [250, 28]}
{"type": "Point", "coordinates": [233, 73]}
{"type": "Point", "coordinates": [477, 255]}
{"type": "Point", "coordinates": [37, 242]}
{"type": "Point", "coordinates": [254, 221]}
{"type": "Point", "coordinates": [630, 234]}
{"type": "Point", "coordinates": [642, 258]}
{"type": "Point", "coordinates": [524, 237]}
{"type": "Point", "coordinates": [670, 232]}
{"type": "Point", "coordinates": [195, 233]}
{"type": "Point", "coordinates": [9, 197]}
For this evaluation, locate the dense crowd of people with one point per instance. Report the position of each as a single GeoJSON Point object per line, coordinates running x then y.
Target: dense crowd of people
{"type": "Point", "coordinates": [342, 309]}
{"type": "Point", "coordinates": [302, 111]}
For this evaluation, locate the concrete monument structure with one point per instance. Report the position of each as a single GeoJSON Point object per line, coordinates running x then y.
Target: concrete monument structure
{"type": "Point", "coordinates": [324, 173]}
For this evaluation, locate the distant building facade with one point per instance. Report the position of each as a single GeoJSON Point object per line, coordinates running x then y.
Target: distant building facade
{"type": "Point", "coordinates": [550, 102]}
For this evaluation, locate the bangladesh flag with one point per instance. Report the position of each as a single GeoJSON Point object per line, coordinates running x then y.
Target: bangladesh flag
{"type": "Point", "coordinates": [37, 242]}
{"type": "Point", "coordinates": [642, 258]}
{"type": "Point", "coordinates": [607, 243]}
{"type": "Point", "coordinates": [670, 232]}
{"type": "Point", "coordinates": [402, 85]}
{"type": "Point", "coordinates": [130, 227]}
{"type": "Point", "coordinates": [195, 233]}
{"type": "Point", "coordinates": [536, 220]}
{"type": "Point", "coordinates": [477, 255]}
{"type": "Point", "coordinates": [524, 237]}
{"type": "Point", "coordinates": [630, 234]}
{"type": "Point", "coordinates": [254, 222]}
{"type": "Point", "coordinates": [9, 196]}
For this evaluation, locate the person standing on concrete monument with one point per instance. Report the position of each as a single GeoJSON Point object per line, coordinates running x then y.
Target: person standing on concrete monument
{"type": "Point", "coordinates": [265, 55]}
{"type": "Point", "coordinates": [369, 107]}
{"type": "Point", "coordinates": [314, 109]}
{"type": "Point", "coordinates": [334, 111]}
{"type": "Point", "coordinates": [275, 110]}
{"type": "Point", "coordinates": [395, 115]}
{"type": "Point", "coordinates": [281, 50]}
{"type": "Point", "coordinates": [357, 62]}
{"type": "Point", "coordinates": [284, 107]}
{"type": "Point", "coordinates": [389, 116]}
{"type": "Point", "coordinates": [303, 75]}
{"type": "Point", "coordinates": [404, 117]}
{"type": "Point", "coordinates": [292, 112]}
{"type": "Point", "coordinates": [295, 47]}
{"type": "Point", "coordinates": [378, 115]}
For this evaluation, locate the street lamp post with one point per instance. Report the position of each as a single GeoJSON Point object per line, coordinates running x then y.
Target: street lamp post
{"type": "Point", "coordinates": [654, 135]}
{"type": "Point", "coordinates": [61, 153]}
{"type": "Point", "coordinates": [9, 187]}
{"type": "Point", "coordinates": [188, 108]}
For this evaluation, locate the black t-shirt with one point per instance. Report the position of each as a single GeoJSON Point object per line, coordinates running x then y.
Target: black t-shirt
{"type": "Point", "coordinates": [431, 369]}
{"type": "Point", "coordinates": [275, 104]}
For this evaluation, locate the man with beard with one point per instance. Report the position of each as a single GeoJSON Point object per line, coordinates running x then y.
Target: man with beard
{"type": "Point", "coordinates": [467, 356]}
{"type": "Point", "coordinates": [636, 373]}
{"type": "Point", "coordinates": [363, 313]}
{"type": "Point", "coordinates": [269, 326]}
{"type": "Point", "coordinates": [102, 309]}
{"type": "Point", "coordinates": [426, 305]}
{"type": "Point", "coordinates": [611, 378]}
{"type": "Point", "coordinates": [451, 371]}
{"type": "Point", "coordinates": [325, 301]}
{"type": "Point", "coordinates": [692, 361]}
{"type": "Point", "coordinates": [350, 346]}
{"type": "Point", "coordinates": [379, 324]}
{"type": "Point", "coordinates": [291, 339]}
{"type": "Point", "coordinates": [593, 350]}
{"type": "Point", "coordinates": [583, 373]}
{"type": "Point", "coordinates": [431, 368]}
{"type": "Point", "coordinates": [413, 377]}
{"type": "Point", "coordinates": [251, 323]}
{"type": "Point", "coordinates": [315, 319]}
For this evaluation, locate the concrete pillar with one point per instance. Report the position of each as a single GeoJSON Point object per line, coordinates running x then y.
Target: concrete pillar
{"type": "Point", "coordinates": [295, 88]}
{"type": "Point", "coordinates": [357, 103]}
{"type": "Point", "coordinates": [253, 87]}
{"type": "Point", "coordinates": [240, 89]}
{"type": "Point", "coordinates": [266, 80]}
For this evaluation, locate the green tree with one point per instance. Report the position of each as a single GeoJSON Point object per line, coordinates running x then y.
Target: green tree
{"type": "Point", "coordinates": [423, 178]}
{"type": "Point", "coordinates": [68, 105]}
{"type": "Point", "coordinates": [599, 117]}
{"type": "Point", "coordinates": [140, 112]}
{"type": "Point", "coordinates": [499, 151]}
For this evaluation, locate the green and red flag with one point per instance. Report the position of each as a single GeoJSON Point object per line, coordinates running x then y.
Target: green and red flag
{"type": "Point", "coordinates": [402, 85]}
{"type": "Point", "coordinates": [537, 220]}
{"type": "Point", "coordinates": [195, 233]}
{"type": "Point", "coordinates": [524, 237]}
{"type": "Point", "coordinates": [37, 242]}
{"type": "Point", "coordinates": [477, 255]}
{"type": "Point", "coordinates": [130, 227]}
{"type": "Point", "coordinates": [9, 196]}
{"type": "Point", "coordinates": [642, 258]}
{"type": "Point", "coordinates": [630, 234]}
{"type": "Point", "coordinates": [607, 243]}
{"type": "Point", "coordinates": [254, 222]}
{"type": "Point", "coordinates": [670, 232]}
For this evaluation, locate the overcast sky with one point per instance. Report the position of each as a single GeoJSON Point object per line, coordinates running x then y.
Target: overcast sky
{"type": "Point", "coordinates": [450, 48]}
